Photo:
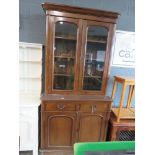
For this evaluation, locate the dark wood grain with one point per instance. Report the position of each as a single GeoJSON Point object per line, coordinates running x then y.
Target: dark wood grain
{"type": "Point", "coordinates": [50, 61]}
{"type": "Point", "coordinates": [91, 127]}
{"type": "Point", "coordinates": [48, 56]}
{"type": "Point", "coordinates": [61, 97]}
{"type": "Point", "coordinates": [75, 9]}
{"type": "Point", "coordinates": [58, 130]}
{"type": "Point", "coordinates": [75, 120]}
{"type": "Point", "coordinates": [115, 127]}
{"type": "Point", "coordinates": [81, 16]}
{"type": "Point", "coordinates": [69, 116]}
{"type": "Point", "coordinates": [105, 75]}
{"type": "Point", "coordinates": [82, 25]}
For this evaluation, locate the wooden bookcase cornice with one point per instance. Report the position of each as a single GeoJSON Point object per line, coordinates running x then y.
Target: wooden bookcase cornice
{"type": "Point", "coordinates": [79, 10]}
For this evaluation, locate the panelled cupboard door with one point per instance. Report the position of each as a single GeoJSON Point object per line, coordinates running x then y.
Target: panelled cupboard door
{"type": "Point", "coordinates": [59, 129]}
{"type": "Point", "coordinates": [91, 127]}
{"type": "Point", "coordinates": [63, 49]}
{"type": "Point", "coordinates": [95, 55]}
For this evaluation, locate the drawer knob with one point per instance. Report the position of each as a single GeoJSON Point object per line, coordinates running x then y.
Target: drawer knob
{"type": "Point", "coordinates": [93, 108]}
{"type": "Point", "coordinates": [60, 106]}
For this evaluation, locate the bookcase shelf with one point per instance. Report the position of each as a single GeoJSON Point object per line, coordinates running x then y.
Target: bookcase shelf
{"type": "Point", "coordinates": [91, 40]}
{"type": "Point", "coordinates": [30, 68]}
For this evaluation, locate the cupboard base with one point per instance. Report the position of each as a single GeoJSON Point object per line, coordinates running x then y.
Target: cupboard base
{"type": "Point", "coordinates": [121, 131]}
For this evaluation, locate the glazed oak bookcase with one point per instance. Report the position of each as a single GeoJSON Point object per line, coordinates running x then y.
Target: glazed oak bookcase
{"type": "Point", "coordinates": [78, 46]}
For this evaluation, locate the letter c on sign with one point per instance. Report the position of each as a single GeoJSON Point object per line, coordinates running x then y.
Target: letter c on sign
{"type": "Point", "coordinates": [121, 53]}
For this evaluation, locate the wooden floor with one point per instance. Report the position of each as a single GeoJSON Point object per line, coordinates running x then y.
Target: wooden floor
{"type": "Point", "coordinates": [56, 152]}
{"type": "Point", "coordinates": [71, 153]}
{"type": "Point", "coordinates": [53, 152]}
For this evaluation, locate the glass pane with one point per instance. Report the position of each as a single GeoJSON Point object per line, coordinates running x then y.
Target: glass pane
{"type": "Point", "coordinates": [94, 58]}
{"type": "Point", "coordinates": [64, 55]}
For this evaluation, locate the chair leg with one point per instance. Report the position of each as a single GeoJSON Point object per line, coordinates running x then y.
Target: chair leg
{"type": "Point", "coordinates": [114, 90]}
{"type": "Point", "coordinates": [121, 101]}
{"type": "Point", "coordinates": [131, 92]}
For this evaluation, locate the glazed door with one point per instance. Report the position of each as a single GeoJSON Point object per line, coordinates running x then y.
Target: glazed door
{"type": "Point", "coordinates": [95, 55]}
{"type": "Point", "coordinates": [64, 42]}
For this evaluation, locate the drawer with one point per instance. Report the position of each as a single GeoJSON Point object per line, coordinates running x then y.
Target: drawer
{"type": "Point", "coordinates": [101, 107]}
{"type": "Point", "coordinates": [62, 106]}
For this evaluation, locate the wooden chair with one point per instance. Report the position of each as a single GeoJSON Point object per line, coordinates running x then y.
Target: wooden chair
{"type": "Point", "coordinates": [128, 112]}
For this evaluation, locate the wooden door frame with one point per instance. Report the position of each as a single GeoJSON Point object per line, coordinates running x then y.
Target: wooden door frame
{"type": "Point", "coordinates": [50, 43]}
{"type": "Point", "coordinates": [103, 116]}
{"type": "Point", "coordinates": [111, 29]}
{"type": "Point", "coordinates": [45, 132]}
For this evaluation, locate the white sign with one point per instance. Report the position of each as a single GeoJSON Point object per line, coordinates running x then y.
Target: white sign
{"type": "Point", "coordinates": [124, 49]}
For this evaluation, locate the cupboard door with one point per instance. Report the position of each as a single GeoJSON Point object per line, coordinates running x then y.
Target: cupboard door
{"type": "Point", "coordinates": [64, 55]}
{"type": "Point", "coordinates": [91, 127]}
{"type": "Point", "coordinates": [95, 54]}
{"type": "Point", "coordinates": [58, 130]}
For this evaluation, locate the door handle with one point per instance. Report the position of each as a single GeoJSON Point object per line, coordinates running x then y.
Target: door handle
{"type": "Point", "coordinates": [60, 106]}
{"type": "Point", "coordinates": [93, 108]}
